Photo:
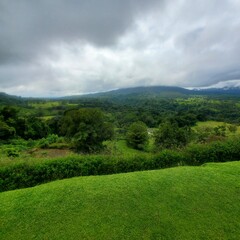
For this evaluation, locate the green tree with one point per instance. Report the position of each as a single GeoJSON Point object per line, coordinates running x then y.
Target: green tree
{"type": "Point", "coordinates": [87, 128]}
{"type": "Point", "coordinates": [6, 131]}
{"type": "Point", "coordinates": [169, 135]}
{"type": "Point", "coordinates": [35, 128]}
{"type": "Point", "coordinates": [137, 135]}
{"type": "Point", "coordinates": [9, 112]}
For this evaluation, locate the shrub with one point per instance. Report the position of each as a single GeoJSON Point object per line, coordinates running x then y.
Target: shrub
{"type": "Point", "coordinates": [46, 142]}
{"type": "Point", "coordinates": [11, 152]}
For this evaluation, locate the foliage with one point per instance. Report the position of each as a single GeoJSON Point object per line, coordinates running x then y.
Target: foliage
{"type": "Point", "coordinates": [6, 132]}
{"type": "Point", "coordinates": [35, 129]}
{"type": "Point", "coordinates": [46, 142]}
{"type": "Point", "coordinates": [12, 152]}
{"type": "Point", "coordinates": [169, 135]}
{"type": "Point", "coordinates": [219, 151]}
{"type": "Point", "coordinates": [137, 135]}
{"type": "Point", "coordinates": [220, 130]}
{"type": "Point", "coordinates": [87, 128]}
{"type": "Point", "coordinates": [232, 128]}
{"type": "Point", "coordinates": [9, 112]}
{"type": "Point", "coordinates": [25, 127]}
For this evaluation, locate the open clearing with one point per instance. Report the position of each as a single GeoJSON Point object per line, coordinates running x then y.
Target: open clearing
{"type": "Point", "coordinates": [177, 203]}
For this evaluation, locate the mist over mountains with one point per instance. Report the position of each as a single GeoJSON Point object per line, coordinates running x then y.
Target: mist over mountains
{"type": "Point", "coordinates": [231, 87]}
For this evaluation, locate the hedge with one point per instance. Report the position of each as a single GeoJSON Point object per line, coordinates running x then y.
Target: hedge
{"type": "Point", "coordinates": [29, 175]}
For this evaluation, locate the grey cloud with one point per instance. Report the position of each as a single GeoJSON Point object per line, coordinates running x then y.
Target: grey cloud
{"type": "Point", "coordinates": [29, 27]}
{"type": "Point", "coordinates": [76, 46]}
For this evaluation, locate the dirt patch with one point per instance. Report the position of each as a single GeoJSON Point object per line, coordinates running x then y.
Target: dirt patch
{"type": "Point", "coordinates": [51, 153]}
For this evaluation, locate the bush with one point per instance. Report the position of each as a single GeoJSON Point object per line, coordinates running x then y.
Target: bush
{"type": "Point", "coordinates": [11, 152]}
{"type": "Point", "coordinates": [219, 151]}
{"type": "Point", "coordinates": [46, 142]}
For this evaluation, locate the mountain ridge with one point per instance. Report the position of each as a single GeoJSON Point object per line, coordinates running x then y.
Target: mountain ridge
{"type": "Point", "coordinates": [231, 87]}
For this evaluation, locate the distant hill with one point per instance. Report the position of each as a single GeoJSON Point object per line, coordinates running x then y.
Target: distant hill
{"type": "Point", "coordinates": [159, 91]}
{"type": "Point", "coordinates": [10, 99]}
{"type": "Point", "coordinates": [151, 91]}
{"type": "Point", "coordinates": [229, 88]}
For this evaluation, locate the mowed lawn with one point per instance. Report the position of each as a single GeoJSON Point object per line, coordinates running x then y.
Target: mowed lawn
{"type": "Point", "coordinates": [177, 203]}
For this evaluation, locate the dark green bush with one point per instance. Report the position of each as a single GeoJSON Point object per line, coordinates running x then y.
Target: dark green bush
{"type": "Point", "coordinates": [11, 152]}
{"type": "Point", "coordinates": [219, 151]}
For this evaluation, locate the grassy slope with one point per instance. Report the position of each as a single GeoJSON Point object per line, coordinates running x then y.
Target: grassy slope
{"type": "Point", "coordinates": [178, 203]}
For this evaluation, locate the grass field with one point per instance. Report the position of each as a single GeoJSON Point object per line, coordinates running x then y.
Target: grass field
{"type": "Point", "coordinates": [201, 126]}
{"type": "Point", "coordinates": [177, 203]}
{"type": "Point", "coordinates": [120, 147]}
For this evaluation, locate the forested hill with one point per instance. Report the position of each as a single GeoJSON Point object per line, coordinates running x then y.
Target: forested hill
{"type": "Point", "coordinates": [158, 91]}
{"type": "Point", "coordinates": [149, 91]}
{"type": "Point", "coordinates": [10, 99]}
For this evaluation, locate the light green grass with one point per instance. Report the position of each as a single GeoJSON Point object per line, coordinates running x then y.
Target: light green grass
{"type": "Point", "coordinates": [210, 124]}
{"type": "Point", "coordinates": [46, 118]}
{"type": "Point", "coordinates": [197, 101]}
{"type": "Point", "coordinates": [45, 104]}
{"type": "Point", "coordinates": [178, 203]}
{"type": "Point", "coordinates": [120, 147]}
{"type": "Point", "coordinates": [200, 126]}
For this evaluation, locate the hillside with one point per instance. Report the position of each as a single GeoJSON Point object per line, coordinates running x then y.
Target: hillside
{"type": "Point", "coordinates": [10, 99]}
{"type": "Point", "coordinates": [227, 88]}
{"type": "Point", "coordinates": [158, 91]}
{"type": "Point", "coordinates": [178, 203]}
{"type": "Point", "coordinates": [133, 92]}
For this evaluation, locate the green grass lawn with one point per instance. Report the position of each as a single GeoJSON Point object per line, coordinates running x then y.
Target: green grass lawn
{"type": "Point", "coordinates": [177, 203]}
{"type": "Point", "coordinates": [120, 147]}
{"type": "Point", "coordinates": [45, 104]}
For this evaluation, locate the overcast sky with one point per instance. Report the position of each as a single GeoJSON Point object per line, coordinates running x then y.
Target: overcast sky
{"type": "Point", "coordinates": [64, 47]}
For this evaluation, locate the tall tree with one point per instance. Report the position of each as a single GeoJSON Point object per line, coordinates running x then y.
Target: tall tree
{"type": "Point", "coordinates": [137, 135]}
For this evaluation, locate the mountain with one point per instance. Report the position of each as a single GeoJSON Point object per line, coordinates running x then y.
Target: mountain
{"type": "Point", "coordinates": [231, 87]}
{"type": "Point", "coordinates": [222, 88]}
{"type": "Point", "coordinates": [135, 92]}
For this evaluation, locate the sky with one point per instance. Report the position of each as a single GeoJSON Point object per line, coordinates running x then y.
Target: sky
{"type": "Point", "coordinates": [68, 47]}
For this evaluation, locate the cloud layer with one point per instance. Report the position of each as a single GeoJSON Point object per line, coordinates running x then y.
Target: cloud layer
{"type": "Point", "coordinates": [57, 47]}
